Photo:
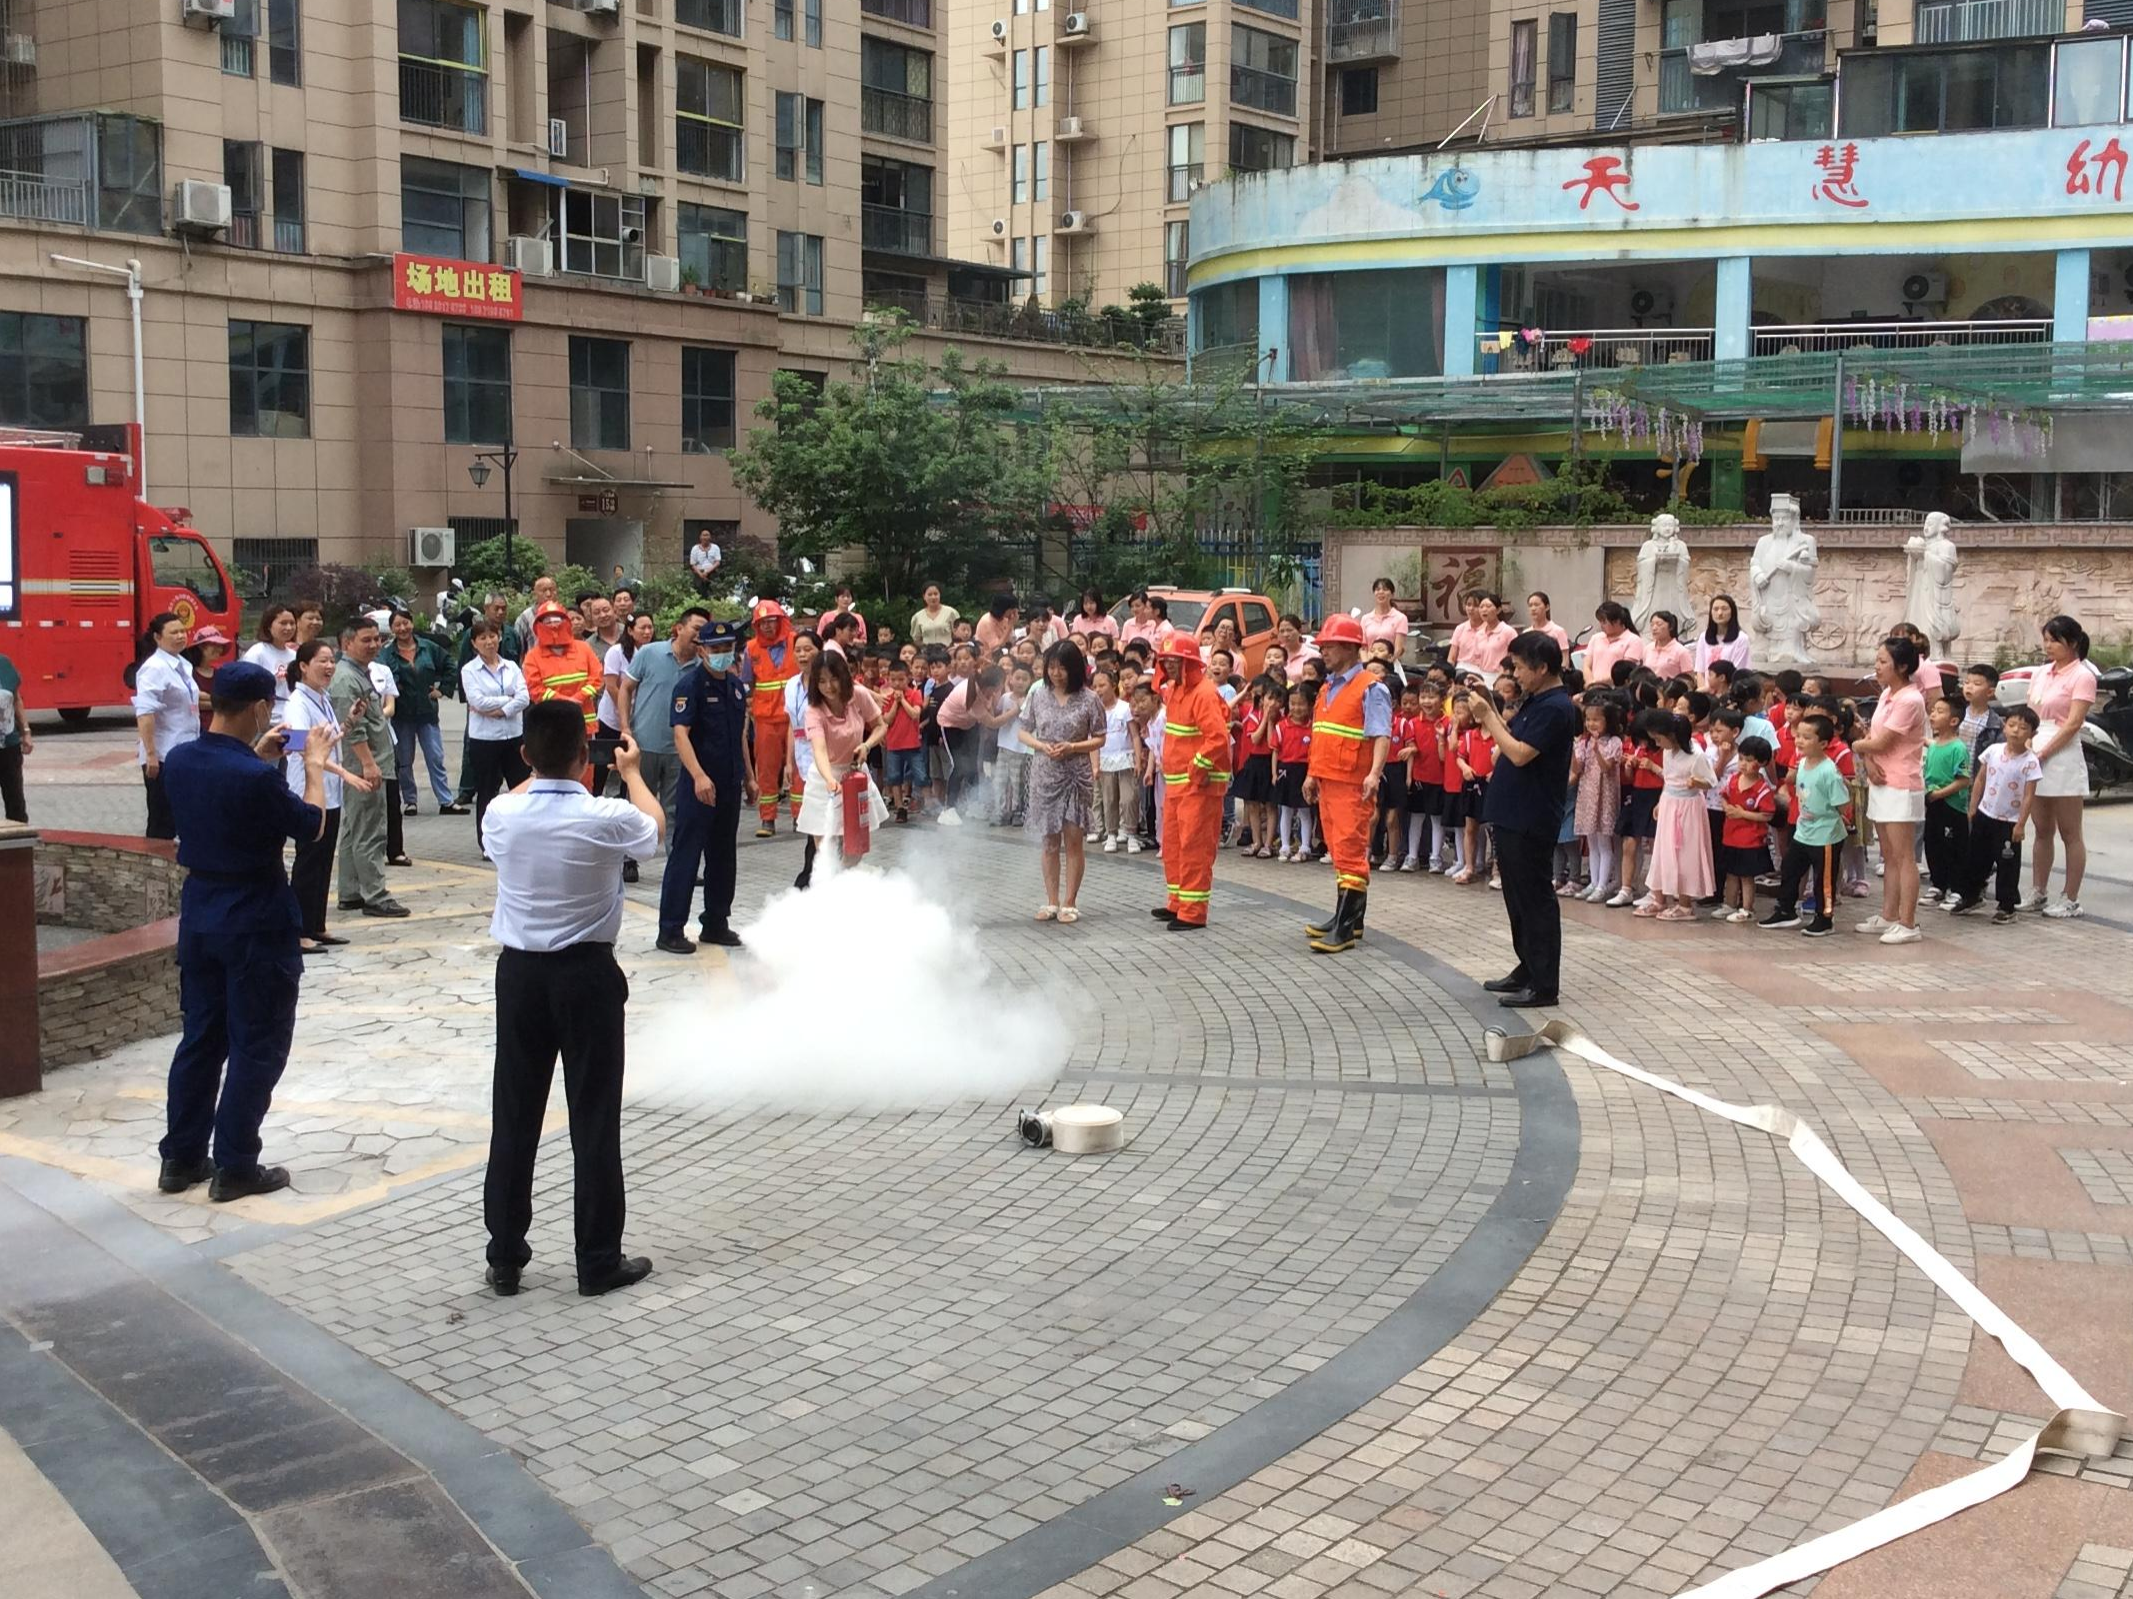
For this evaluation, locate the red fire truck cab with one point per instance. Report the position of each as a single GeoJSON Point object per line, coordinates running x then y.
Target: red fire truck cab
{"type": "Point", "coordinates": [84, 563]}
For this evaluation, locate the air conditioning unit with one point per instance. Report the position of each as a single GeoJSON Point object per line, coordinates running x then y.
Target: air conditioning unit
{"type": "Point", "coordinates": [201, 207]}
{"type": "Point", "coordinates": [999, 31]}
{"type": "Point", "coordinates": [432, 546]}
{"type": "Point", "coordinates": [206, 13]}
{"type": "Point", "coordinates": [999, 227]}
{"type": "Point", "coordinates": [558, 137]}
{"type": "Point", "coordinates": [997, 139]}
{"type": "Point", "coordinates": [663, 272]}
{"type": "Point", "coordinates": [1645, 304]}
{"type": "Point", "coordinates": [1925, 288]}
{"type": "Point", "coordinates": [1076, 25]}
{"type": "Point", "coordinates": [1069, 128]}
{"type": "Point", "coordinates": [20, 50]}
{"type": "Point", "coordinates": [534, 257]}
{"type": "Point", "coordinates": [609, 9]}
{"type": "Point", "coordinates": [1073, 222]}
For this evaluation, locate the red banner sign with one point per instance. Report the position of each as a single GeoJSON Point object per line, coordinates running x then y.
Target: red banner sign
{"type": "Point", "coordinates": [455, 288]}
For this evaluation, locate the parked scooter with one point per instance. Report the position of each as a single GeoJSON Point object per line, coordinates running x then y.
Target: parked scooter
{"type": "Point", "coordinates": [2106, 733]}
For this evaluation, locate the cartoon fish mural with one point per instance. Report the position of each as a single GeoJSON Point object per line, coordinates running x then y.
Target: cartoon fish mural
{"type": "Point", "coordinates": [1455, 189]}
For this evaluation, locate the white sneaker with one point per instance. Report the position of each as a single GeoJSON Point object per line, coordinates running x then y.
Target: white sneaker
{"type": "Point", "coordinates": [1110, 845]}
{"type": "Point", "coordinates": [1410, 865]}
{"type": "Point", "coordinates": [1092, 838]}
{"type": "Point", "coordinates": [1597, 894]}
{"type": "Point", "coordinates": [1874, 924]}
{"type": "Point", "coordinates": [1134, 846]}
{"type": "Point", "coordinates": [948, 818]}
{"type": "Point", "coordinates": [2064, 910]}
{"type": "Point", "coordinates": [1622, 898]}
{"type": "Point", "coordinates": [2035, 901]}
{"type": "Point", "coordinates": [1900, 934]}
{"type": "Point", "coordinates": [1721, 913]}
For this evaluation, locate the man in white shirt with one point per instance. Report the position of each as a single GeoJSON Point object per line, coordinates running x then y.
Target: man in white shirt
{"type": "Point", "coordinates": [559, 854]}
{"type": "Point", "coordinates": [704, 557]}
{"type": "Point", "coordinates": [166, 713]}
{"type": "Point", "coordinates": [544, 592]}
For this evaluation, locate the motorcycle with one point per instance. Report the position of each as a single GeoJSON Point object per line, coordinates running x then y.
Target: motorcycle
{"type": "Point", "coordinates": [2106, 733]}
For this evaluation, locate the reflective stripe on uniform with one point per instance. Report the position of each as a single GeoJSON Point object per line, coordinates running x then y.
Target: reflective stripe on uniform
{"type": "Point", "coordinates": [1190, 897]}
{"type": "Point", "coordinates": [1180, 729]}
{"type": "Point", "coordinates": [1338, 730]}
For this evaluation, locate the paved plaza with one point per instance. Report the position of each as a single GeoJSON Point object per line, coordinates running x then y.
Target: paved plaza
{"type": "Point", "coordinates": [1356, 1312]}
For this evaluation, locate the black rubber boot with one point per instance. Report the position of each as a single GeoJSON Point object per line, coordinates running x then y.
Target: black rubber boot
{"type": "Point", "coordinates": [1347, 928]}
{"type": "Point", "coordinates": [1319, 930]}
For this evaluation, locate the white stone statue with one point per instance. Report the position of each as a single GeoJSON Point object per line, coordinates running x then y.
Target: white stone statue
{"type": "Point", "coordinates": [1929, 585]}
{"type": "Point", "coordinates": [1781, 582]}
{"type": "Point", "coordinates": [1663, 574]}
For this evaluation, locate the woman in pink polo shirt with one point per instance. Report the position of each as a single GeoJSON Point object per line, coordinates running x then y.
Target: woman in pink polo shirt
{"type": "Point", "coordinates": [1894, 755]}
{"type": "Point", "coordinates": [2061, 695]}
{"type": "Point", "coordinates": [1616, 640]}
{"type": "Point", "coordinates": [1481, 641]}
{"type": "Point", "coordinates": [1540, 618]}
{"type": "Point", "coordinates": [1664, 652]}
{"type": "Point", "coordinates": [1385, 620]}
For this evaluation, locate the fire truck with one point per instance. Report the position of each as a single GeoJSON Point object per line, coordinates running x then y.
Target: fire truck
{"type": "Point", "coordinates": [85, 562]}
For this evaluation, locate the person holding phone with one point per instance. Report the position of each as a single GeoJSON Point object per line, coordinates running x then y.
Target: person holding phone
{"type": "Point", "coordinates": [307, 717]}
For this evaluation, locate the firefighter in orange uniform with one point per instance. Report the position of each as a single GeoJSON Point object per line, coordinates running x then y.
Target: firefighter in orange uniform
{"type": "Point", "coordinates": [1351, 734]}
{"type": "Point", "coordinates": [1195, 776]}
{"type": "Point", "coordinates": [769, 666]}
{"type": "Point", "coordinates": [562, 667]}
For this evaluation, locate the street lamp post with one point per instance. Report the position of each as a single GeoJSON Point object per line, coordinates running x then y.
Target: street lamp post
{"type": "Point", "coordinates": [505, 456]}
{"type": "Point", "coordinates": [131, 272]}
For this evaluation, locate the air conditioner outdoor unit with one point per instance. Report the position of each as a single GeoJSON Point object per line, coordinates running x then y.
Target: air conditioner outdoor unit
{"type": "Point", "coordinates": [534, 257]}
{"type": "Point", "coordinates": [1073, 222]}
{"type": "Point", "coordinates": [206, 13]}
{"type": "Point", "coordinates": [201, 207]}
{"type": "Point", "coordinates": [997, 140]}
{"type": "Point", "coordinates": [20, 50]}
{"type": "Point", "coordinates": [663, 272]}
{"type": "Point", "coordinates": [1076, 25]}
{"type": "Point", "coordinates": [999, 227]}
{"type": "Point", "coordinates": [999, 31]}
{"type": "Point", "coordinates": [1069, 128]}
{"type": "Point", "coordinates": [558, 137]}
{"type": "Point", "coordinates": [1924, 288]}
{"type": "Point", "coordinates": [609, 9]}
{"type": "Point", "coordinates": [1647, 303]}
{"type": "Point", "coordinates": [432, 546]}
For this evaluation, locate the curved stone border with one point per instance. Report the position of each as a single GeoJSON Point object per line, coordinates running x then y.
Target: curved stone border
{"type": "Point", "coordinates": [1479, 1269]}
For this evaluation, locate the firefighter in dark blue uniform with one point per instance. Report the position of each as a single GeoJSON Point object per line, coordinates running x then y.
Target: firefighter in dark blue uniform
{"type": "Point", "coordinates": [238, 962]}
{"type": "Point", "coordinates": [710, 716]}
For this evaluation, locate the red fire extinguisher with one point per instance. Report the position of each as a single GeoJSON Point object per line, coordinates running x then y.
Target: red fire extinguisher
{"type": "Point", "coordinates": [858, 831]}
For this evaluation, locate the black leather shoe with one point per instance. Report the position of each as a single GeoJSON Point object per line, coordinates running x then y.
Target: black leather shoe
{"type": "Point", "coordinates": [629, 1269]}
{"type": "Point", "coordinates": [724, 938]}
{"type": "Point", "coordinates": [629, 871]}
{"type": "Point", "coordinates": [179, 1175]}
{"type": "Point", "coordinates": [675, 944]}
{"type": "Point", "coordinates": [453, 809]}
{"type": "Point", "coordinates": [351, 904]}
{"type": "Point", "coordinates": [328, 940]}
{"type": "Point", "coordinates": [1525, 999]}
{"type": "Point", "coordinates": [1505, 985]}
{"type": "Point", "coordinates": [229, 1185]}
{"type": "Point", "coordinates": [387, 908]}
{"type": "Point", "coordinates": [1163, 913]}
{"type": "Point", "coordinates": [1178, 924]}
{"type": "Point", "coordinates": [504, 1279]}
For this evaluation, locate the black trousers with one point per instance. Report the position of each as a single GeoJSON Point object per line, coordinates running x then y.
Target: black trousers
{"type": "Point", "coordinates": [568, 1002]}
{"type": "Point", "coordinates": [312, 874]}
{"type": "Point", "coordinates": [1992, 853]}
{"type": "Point", "coordinates": [1947, 845]}
{"type": "Point", "coordinates": [395, 835]}
{"type": "Point", "coordinates": [491, 766]}
{"type": "Point", "coordinates": [1801, 861]}
{"type": "Point", "coordinates": [1526, 864]}
{"type": "Point", "coordinates": [12, 804]}
{"type": "Point", "coordinates": [703, 835]}
{"type": "Point", "coordinates": [162, 823]}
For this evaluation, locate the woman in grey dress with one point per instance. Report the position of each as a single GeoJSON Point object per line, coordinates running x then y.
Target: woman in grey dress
{"type": "Point", "coordinates": [1063, 723]}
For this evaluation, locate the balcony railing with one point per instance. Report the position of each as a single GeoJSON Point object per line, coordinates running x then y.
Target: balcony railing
{"type": "Point", "coordinates": [1353, 39]}
{"type": "Point", "coordinates": [896, 116]}
{"type": "Point", "coordinates": [708, 149]}
{"type": "Point", "coordinates": [1188, 83]}
{"type": "Point", "coordinates": [896, 232]}
{"type": "Point", "coordinates": [1183, 180]}
{"type": "Point", "coordinates": [1588, 349]}
{"type": "Point", "coordinates": [434, 96]}
{"type": "Point", "coordinates": [912, 13]}
{"type": "Point", "coordinates": [1811, 338]}
{"type": "Point", "coordinates": [713, 16]}
{"type": "Point", "coordinates": [1682, 89]}
{"type": "Point", "coordinates": [30, 198]}
{"type": "Point", "coordinates": [1263, 91]}
{"type": "Point", "coordinates": [244, 230]}
{"type": "Point", "coordinates": [237, 53]}
{"type": "Point", "coordinates": [289, 235]}
{"type": "Point", "coordinates": [1016, 320]}
{"type": "Point", "coordinates": [1963, 21]}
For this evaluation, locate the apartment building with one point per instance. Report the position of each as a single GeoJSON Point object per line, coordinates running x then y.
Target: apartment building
{"type": "Point", "coordinates": [377, 237]}
{"type": "Point", "coordinates": [1078, 137]}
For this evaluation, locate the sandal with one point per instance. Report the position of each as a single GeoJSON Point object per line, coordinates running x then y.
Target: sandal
{"type": "Point", "coordinates": [1046, 913]}
{"type": "Point", "coordinates": [1677, 913]}
{"type": "Point", "coordinates": [1645, 909]}
{"type": "Point", "coordinates": [1068, 915]}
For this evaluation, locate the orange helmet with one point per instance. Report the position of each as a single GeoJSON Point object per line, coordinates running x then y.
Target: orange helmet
{"type": "Point", "coordinates": [1341, 629]}
{"type": "Point", "coordinates": [1178, 647]}
{"type": "Point", "coordinates": [549, 613]}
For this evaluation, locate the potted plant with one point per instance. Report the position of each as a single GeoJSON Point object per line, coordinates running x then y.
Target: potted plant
{"type": "Point", "coordinates": [692, 281]}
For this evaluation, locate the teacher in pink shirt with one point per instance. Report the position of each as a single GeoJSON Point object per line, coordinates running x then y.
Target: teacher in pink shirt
{"type": "Point", "coordinates": [1894, 755]}
{"type": "Point", "coordinates": [1480, 642]}
{"type": "Point", "coordinates": [1094, 618]}
{"type": "Point", "coordinates": [1617, 640]}
{"type": "Point", "coordinates": [1664, 652]}
{"type": "Point", "coordinates": [1384, 620]}
{"type": "Point", "coordinates": [1540, 618]}
{"type": "Point", "coordinates": [2062, 696]}
{"type": "Point", "coordinates": [1722, 638]}
{"type": "Point", "coordinates": [1151, 621]}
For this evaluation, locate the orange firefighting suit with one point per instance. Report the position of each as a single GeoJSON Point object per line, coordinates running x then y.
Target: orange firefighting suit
{"type": "Point", "coordinates": [770, 667]}
{"type": "Point", "coordinates": [571, 672]}
{"type": "Point", "coordinates": [1340, 759]}
{"type": "Point", "coordinates": [1195, 777]}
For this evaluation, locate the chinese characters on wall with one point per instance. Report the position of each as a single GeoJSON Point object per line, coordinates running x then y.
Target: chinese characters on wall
{"type": "Point", "coordinates": [455, 288]}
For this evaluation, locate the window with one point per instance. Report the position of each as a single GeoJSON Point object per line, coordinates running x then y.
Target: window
{"type": "Point", "coordinates": [799, 129]}
{"type": "Point", "coordinates": [284, 42]}
{"type": "Point", "coordinates": [600, 235]}
{"type": "Point", "coordinates": [1562, 60]}
{"type": "Point", "coordinates": [800, 273]}
{"type": "Point", "coordinates": [270, 380]}
{"type": "Point", "coordinates": [1359, 91]}
{"type": "Point", "coordinates": [443, 66]}
{"type": "Point", "coordinates": [895, 206]}
{"type": "Point", "coordinates": [1188, 159]}
{"type": "Point", "coordinates": [811, 24]}
{"type": "Point", "coordinates": [1188, 64]}
{"type": "Point", "coordinates": [1229, 314]}
{"type": "Point", "coordinates": [1789, 110]}
{"type": "Point", "coordinates": [714, 241]}
{"type": "Point", "coordinates": [1041, 267]}
{"type": "Point", "coordinates": [1018, 260]}
{"type": "Point", "coordinates": [444, 209]}
{"type": "Point", "coordinates": [180, 561]}
{"type": "Point", "coordinates": [1273, 8]}
{"type": "Point", "coordinates": [1259, 149]}
{"type": "Point", "coordinates": [241, 164]}
{"type": "Point", "coordinates": [1177, 249]}
{"type": "Point", "coordinates": [1021, 8]}
{"type": "Point", "coordinates": [263, 567]}
{"type": "Point", "coordinates": [1021, 80]}
{"type": "Point", "coordinates": [1362, 325]}
{"type": "Point", "coordinates": [713, 16]}
{"type": "Point", "coordinates": [477, 385]}
{"type": "Point", "coordinates": [599, 394]}
{"type": "Point", "coordinates": [781, 19]}
{"type": "Point", "coordinates": [2005, 86]}
{"type": "Point", "coordinates": [435, 30]}
{"type": "Point", "coordinates": [1262, 70]}
{"type": "Point", "coordinates": [1018, 176]}
{"type": "Point", "coordinates": [238, 36]}
{"type": "Point", "coordinates": [895, 90]}
{"type": "Point", "coordinates": [1044, 75]}
{"type": "Point", "coordinates": [707, 106]}
{"type": "Point", "coordinates": [129, 174]}
{"type": "Point", "coordinates": [1523, 37]}
{"type": "Point", "coordinates": [1041, 183]}
{"type": "Point", "coordinates": [2088, 82]}
{"type": "Point", "coordinates": [289, 201]}
{"type": "Point", "coordinates": [706, 400]}
{"type": "Point", "coordinates": [44, 371]}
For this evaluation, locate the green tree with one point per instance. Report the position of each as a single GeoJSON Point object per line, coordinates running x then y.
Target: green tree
{"type": "Point", "coordinates": [922, 467]}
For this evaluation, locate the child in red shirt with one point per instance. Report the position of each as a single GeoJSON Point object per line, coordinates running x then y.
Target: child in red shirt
{"type": "Point", "coordinates": [1254, 785]}
{"type": "Point", "coordinates": [1292, 758]}
{"type": "Point", "coordinates": [903, 761]}
{"type": "Point", "coordinates": [1642, 780]}
{"type": "Point", "coordinates": [1425, 782]}
{"type": "Point", "coordinates": [1748, 804]}
{"type": "Point", "coordinates": [1388, 831]}
{"type": "Point", "coordinates": [1464, 782]}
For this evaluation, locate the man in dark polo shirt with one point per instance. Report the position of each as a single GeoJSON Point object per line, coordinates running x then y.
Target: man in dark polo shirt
{"type": "Point", "coordinates": [1524, 811]}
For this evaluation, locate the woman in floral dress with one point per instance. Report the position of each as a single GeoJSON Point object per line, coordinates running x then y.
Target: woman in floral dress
{"type": "Point", "coordinates": [1063, 723]}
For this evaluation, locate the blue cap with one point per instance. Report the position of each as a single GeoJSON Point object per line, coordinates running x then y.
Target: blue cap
{"type": "Point", "coordinates": [717, 633]}
{"type": "Point", "coordinates": [244, 682]}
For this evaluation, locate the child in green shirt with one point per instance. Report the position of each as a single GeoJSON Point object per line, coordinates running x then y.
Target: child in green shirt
{"type": "Point", "coordinates": [1820, 798]}
{"type": "Point", "coordinates": [1948, 768]}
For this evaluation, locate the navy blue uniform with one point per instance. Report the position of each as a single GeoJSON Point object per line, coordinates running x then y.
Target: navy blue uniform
{"type": "Point", "coordinates": [238, 963]}
{"type": "Point", "coordinates": [714, 709]}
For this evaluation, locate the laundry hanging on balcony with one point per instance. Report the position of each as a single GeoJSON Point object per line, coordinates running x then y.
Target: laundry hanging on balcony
{"type": "Point", "coordinates": [1721, 55]}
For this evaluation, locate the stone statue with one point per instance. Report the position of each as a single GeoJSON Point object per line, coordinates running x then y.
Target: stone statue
{"type": "Point", "coordinates": [1929, 585]}
{"type": "Point", "coordinates": [1663, 574]}
{"type": "Point", "coordinates": [1781, 581]}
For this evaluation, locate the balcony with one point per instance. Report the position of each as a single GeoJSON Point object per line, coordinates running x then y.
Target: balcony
{"type": "Point", "coordinates": [896, 116]}
{"type": "Point", "coordinates": [437, 96]}
{"type": "Point", "coordinates": [289, 235]}
{"type": "Point", "coordinates": [1594, 349]}
{"type": "Point", "coordinates": [1684, 90]}
{"type": "Point", "coordinates": [243, 231]}
{"type": "Point", "coordinates": [1967, 21]}
{"type": "Point", "coordinates": [892, 231]}
{"type": "Point", "coordinates": [1360, 33]}
{"type": "Point", "coordinates": [27, 197]}
{"type": "Point", "coordinates": [1262, 91]}
{"type": "Point", "coordinates": [1185, 179]}
{"type": "Point", "coordinates": [46, 170]}
{"type": "Point", "coordinates": [1188, 83]}
{"type": "Point", "coordinates": [911, 13]}
{"type": "Point", "coordinates": [1016, 319]}
{"type": "Point", "coordinates": [708, 149]}
{"type": "Point", "coordinates": [1816, 338]}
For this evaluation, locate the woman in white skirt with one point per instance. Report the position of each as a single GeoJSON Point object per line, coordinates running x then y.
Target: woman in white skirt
{"type": "Point", "coordinates": [2061, 696]}
{"type": "Point", "coordinates": [1894, 754]}
{"type": "Point", "coordinates": [843, 726]}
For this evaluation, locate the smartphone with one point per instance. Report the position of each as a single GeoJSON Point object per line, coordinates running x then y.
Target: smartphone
{"type": "Point", "coordinates": [603, 750]}
{"type": "Point", "coordinates": [292, 739]}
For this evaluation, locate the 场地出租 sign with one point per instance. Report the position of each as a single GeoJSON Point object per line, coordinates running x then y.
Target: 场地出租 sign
{"type": "Point", "coordinates": [455, 288]}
